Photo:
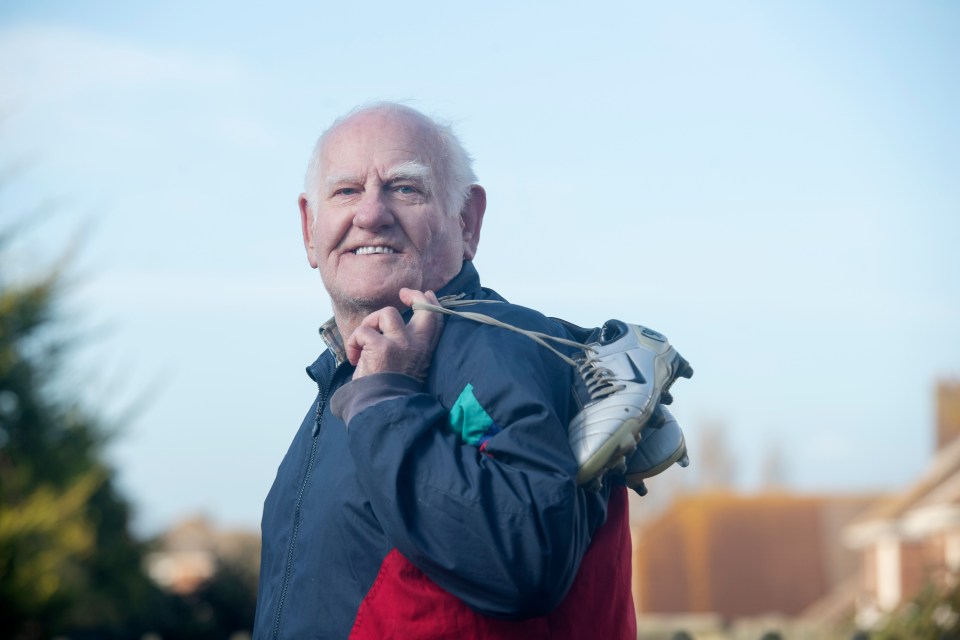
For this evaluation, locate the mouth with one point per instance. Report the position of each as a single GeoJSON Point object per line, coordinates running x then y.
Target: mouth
{"type": "Point", "coordinates": [372, 250]}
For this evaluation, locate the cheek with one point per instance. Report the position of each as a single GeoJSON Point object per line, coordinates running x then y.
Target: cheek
{"type": "Point", "coordinates": [323, 235]}
{"type": "Point", "coordinates": [446, 245]}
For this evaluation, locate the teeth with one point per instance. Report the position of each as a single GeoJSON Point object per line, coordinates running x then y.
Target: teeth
{"type": "Point", "coordinates": [364, 251]}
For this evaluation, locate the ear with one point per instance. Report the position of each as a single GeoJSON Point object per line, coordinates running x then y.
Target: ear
{"type": "Point", "coordinates": [306, 227]}
{"type": "Point", "coordinates": [471, 219]}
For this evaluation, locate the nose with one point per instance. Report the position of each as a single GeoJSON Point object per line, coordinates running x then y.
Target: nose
{"type": "Point", "coordinates": [372, 212]}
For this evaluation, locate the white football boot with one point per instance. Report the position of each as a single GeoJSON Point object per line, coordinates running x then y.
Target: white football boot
{"type": "Point", "coordinates": [627, 373]}
{"type": "Point", "coordinates": [661, 445]}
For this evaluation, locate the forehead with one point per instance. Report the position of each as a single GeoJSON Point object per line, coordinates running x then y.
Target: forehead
{"type": "Point", "coordinates": [376, 141]}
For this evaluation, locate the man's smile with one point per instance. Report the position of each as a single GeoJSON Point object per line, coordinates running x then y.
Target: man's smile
{"type": "Point", "coordinates": [367, 250]}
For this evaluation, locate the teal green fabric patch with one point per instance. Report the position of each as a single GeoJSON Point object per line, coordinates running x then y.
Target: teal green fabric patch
{"type": "Point", "coordinates": [468, 419]}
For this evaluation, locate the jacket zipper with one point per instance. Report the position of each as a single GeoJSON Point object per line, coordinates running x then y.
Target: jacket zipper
{"type": "Point", "coordinates": [321, 404]}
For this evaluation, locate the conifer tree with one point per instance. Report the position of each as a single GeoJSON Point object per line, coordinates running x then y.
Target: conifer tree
{"type": "Point", "coordinates": [68, 563]}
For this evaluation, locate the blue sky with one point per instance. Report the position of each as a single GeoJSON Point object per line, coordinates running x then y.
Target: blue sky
{"type": "Point", "coordinates": [772, 185]}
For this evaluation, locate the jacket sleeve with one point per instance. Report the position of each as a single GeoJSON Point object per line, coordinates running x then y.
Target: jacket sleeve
{"type": "Point", "coordinates": [498, 522]}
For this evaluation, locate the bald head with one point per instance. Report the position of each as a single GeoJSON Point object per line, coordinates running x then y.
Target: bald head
{"type": "Point", "coordinates": [449, 163]}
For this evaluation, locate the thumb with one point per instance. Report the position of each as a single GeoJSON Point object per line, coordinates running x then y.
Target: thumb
{"type": "Point", "coordinates": [424, 322]}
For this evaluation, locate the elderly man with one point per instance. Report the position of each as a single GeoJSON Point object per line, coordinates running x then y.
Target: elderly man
{"type": "Point", "coordinates": [431, 490]}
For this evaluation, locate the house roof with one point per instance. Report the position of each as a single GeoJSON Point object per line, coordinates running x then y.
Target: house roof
{"type": "Point", "coordinates": [935, 498]}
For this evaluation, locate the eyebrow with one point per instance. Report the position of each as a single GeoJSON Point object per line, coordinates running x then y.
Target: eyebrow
{"type": "Point", "coordinates": [341, 178]}
{"type": "Point", "coordinates": [410, 170]}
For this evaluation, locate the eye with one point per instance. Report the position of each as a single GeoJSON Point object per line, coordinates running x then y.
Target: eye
{"type": "Point", "coordinates": [406, 191]}
{"type": "Point", "coordinates": [345, 191]}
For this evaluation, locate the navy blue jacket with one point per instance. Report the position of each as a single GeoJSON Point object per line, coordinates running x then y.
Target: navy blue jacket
{"type": "Point", "coordinates": [464, 487]}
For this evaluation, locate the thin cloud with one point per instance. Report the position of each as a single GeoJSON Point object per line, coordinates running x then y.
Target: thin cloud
{"type": "Point", "coordinates": [51, 62]}
{"type": "Point", "coordinates": [166, 290]}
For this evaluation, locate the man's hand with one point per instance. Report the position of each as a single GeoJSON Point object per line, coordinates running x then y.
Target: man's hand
{"type": "Point", "coordinates": [383, 343]}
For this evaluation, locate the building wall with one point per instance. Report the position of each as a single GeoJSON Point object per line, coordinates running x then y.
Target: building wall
{"type": "Point", "coordinates": [869, 574]}
{"type": "Point", "coordinates": [914, 566]}
{"type": "Point", "coordinates": [737, 556]}
{"type": "Point", "coordinates": [935, 559]}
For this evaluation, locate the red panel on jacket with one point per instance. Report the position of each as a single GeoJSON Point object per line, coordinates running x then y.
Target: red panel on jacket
{"type": "Point", "coordinates": [405, 603]}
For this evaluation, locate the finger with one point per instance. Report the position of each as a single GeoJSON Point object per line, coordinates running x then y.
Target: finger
{"type": "Point", "coordinates": [424, 323]}
{"type": "Point", "coordinates": [383, 320]}
{"type": "Point", "coordinates": [432, 299]}
{"type": "Point", "coordinates": [409, 296]}
{"type": "Point", "coordinates": [360, 338]}
{"type": "Point", "coordinates": [371, 321]}
{"type": "Point", "coordinates": [391, 322]}
{"type": "Point", "coordinates": [353, 351]}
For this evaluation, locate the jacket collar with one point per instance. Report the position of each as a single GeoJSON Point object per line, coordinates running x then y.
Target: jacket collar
{"type": "Point", "coordinates": [467, 281]}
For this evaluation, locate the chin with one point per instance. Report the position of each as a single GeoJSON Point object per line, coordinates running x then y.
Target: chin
{"type": "Point", "coordinates": [371, 300]}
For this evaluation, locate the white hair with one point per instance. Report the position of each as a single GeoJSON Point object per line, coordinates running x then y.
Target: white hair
{"type": "Point", "coordinates": [454, 173]}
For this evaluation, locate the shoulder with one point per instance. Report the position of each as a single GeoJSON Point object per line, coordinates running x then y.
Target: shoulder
{"type": "Point", "coordinates": [503, 369]}
{"type": "Point", "coordinates": [488, 302]}
{"type": "Point", "coordinates": [494, 325]}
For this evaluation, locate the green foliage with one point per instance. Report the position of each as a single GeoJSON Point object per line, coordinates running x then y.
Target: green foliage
{"type": "Point", "coordinates": [44, 537]}
{"type": "Point", "coordinates": [67, 561]}
{"type": "Point", "coordinates": [69, 566]}
{"type": "Point", "coordinates": [933, 615]}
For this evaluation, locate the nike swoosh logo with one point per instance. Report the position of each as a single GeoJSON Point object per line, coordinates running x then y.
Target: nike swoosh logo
{"type": "Point", "coordinates": [637, 375]}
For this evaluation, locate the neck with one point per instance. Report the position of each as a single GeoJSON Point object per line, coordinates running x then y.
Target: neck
{"type": "Point", "coordinates": [346, 325]}
{"type": "Point", "coordinates": [349, 316]}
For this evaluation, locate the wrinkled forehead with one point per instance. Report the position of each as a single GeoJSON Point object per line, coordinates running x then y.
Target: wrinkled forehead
{"type": "Point", "coordinates": [378, 140]}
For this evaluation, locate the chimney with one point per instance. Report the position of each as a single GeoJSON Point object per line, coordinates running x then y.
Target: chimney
{"type": "Point", "coordinates": [948, 412]}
